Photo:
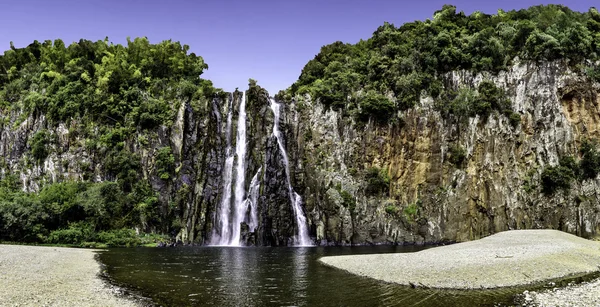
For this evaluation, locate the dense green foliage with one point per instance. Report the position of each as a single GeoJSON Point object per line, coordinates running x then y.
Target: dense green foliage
{"type": "Point", "coordinates": [38, 145]}
{"type": "Point", "coordinates": [559, 177]}
{"type": "Point", "coordinates": [165, 163]}
{"type": "Point", "coordinates": [112, 97]}
{"type": "Point", "coordinates": [562, 176]}
{"type": "Point", "coordinates": [391, 70]}
{"type": "Point", "coordinates": [130, 86]}
{"type": "Point", "coordinates": [74, 213]}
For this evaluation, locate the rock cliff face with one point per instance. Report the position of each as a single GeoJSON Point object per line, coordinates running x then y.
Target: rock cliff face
{"type": "Point", "coordinates": [430, 199]}
{"type": "Point", "coordinates": [426, 199]}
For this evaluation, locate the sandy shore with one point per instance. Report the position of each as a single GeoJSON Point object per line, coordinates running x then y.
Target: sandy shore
{"type": "Point", "coordinates": [510, 258]}
{"type": "Point", "coordinates": [53, 276]}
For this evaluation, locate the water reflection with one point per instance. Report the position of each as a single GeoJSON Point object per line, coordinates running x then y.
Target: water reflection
{"type": "Point", "coordinates": [234, 275]}
{"type": "Point", "coordinates": [299, 280]}
{"type": "Point", "coordinates": [238, 276]}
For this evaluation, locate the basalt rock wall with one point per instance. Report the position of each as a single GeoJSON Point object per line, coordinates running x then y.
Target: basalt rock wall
{"type": "Point", "coordinates": [428, 199]}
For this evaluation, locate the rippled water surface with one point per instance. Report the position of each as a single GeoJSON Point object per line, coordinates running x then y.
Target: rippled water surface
{"type": "Point", "coordinates": [237, 276]}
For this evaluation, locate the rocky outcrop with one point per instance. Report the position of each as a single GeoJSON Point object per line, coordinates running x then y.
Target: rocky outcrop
{"type": "Point", "coordinates": [426, 199]}
{"type": "Point", "coordinates": [430, 199]}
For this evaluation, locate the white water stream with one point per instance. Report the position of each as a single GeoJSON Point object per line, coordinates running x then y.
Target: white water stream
{"type": "Point", "coordinates": [302, 238]}
{"type": "Point", "coordinates": [239, 208]}
{"type": "Point", "coordinates": [222, 237]}
{"type": "Point", "coordinates": [252, 201]}
{"type": "Point", "coordinates": [242, 207]}
{"type": "Point", "coordinates": [229, 226]}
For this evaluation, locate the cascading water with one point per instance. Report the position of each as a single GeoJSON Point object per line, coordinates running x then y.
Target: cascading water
{"type": "Point", "coordinates": [229, 229]}
{"type": "Point", "coordinates": [242, 208]}
{"type": "Point", "coordinates": [222, 237]}
{"type": "Point", "coordinates": [302, 238]}
{"type": "Point", "coordinates": [239, 212]}
{"type": "Point", "coordinates": [252, 201]}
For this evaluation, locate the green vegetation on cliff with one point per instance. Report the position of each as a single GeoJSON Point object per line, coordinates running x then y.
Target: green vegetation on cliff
{"type": "Point", "coordinates": [561, 176]}
{"type": "Point", "coordinates": [393, 69]}
{"type": "Point", "coordinates": [130, 86]}
{"type": "Point", "coordinates": [110, 97]}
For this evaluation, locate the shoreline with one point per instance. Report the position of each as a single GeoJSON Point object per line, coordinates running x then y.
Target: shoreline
{"type": "Point", "coordinates": [57, 276]}
{"type": "Point", "coordinates": [507, 259]}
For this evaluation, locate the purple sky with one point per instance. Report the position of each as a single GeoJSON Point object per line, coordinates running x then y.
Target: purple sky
{"type": "Point", "coordinates": [267, 40]}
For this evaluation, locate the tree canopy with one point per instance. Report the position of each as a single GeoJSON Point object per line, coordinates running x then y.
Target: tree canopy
{"type": "Point", "coordinates": [402, 62]}
{"type": "Point", "coordinates": [101, 81]}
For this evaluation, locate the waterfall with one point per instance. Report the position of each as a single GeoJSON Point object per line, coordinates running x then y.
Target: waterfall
{"type": "Point", "coordinates": [222, 237]}
{"type": "Point", "coordinates": [302, 238]}
{"type": "Point", "coordinates": [239, 212]}
{"type": "Point", "coordinates": [243, 208]}
{"type": "Point", "coordinates": [228, 224]}
{"type": "Point", "coordinates": [252, 201]}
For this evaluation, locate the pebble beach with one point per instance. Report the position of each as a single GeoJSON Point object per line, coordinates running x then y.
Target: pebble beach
{"type": "Point", "coordinates": [54, 276]}
{"type": "Point", "coordinates": [511, 258]}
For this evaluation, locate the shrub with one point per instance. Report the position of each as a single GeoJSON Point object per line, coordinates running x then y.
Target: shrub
{"type": "Point", "coordinates": [457, 155]}
{"type": "Point", "coordinates": [490, 97]}
{"type": "Point", "coordinates": [590, 160]}
{"type": "Point", "coordinates": [39, 145]}
{"type": "Point", "coordinates": [593, 73]}
{"type": "Point", "coordinates": [348, 200]}
{"type": "Point", "coordinates": [23, 218]}
{"type": "Point", "coordinates": [77, 233]}
{"type": "Point", "coordinates": [120, 237]}
{"type": "Point", "coordinates": [528, 184]}
{"type": "Point", "coordinates": [410, 212]}
{"type": "Point", "coordinates": [376, 106]}
{"type": "Point", "coordinates": [377, 181]}
{"type": "Point", "coordinates": [514, 119]}
{"type": "Point", "coordinates": [392, 210]}
{"type": "Point", "coordinates": [557, 177]}
{"type": "Point", "coordinates": [124, 165]}
{"type": "Point", "coordinates": [165, 163]}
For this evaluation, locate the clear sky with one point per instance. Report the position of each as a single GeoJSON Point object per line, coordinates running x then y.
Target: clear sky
{"type": "Point", "coordinates": [267, 40]}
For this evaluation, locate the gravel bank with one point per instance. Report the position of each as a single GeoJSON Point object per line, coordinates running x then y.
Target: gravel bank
{"type": "Point", "coordinates": [53, 276]}
{"type": "Point", "coordinates": [582, 295]}
{"type": "Point", "coordinates": [510, 258]}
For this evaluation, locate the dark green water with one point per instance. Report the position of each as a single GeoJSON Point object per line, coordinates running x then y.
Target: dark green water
{"type": "Point", "coordinates": [229, 276]}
